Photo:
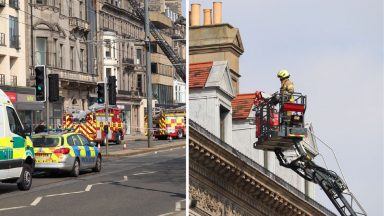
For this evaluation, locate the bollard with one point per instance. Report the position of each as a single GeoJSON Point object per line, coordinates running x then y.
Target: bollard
{"type": "Point", "coordinates": [124, 146]}
{"type": "Point", "coordinates": [170, 138]}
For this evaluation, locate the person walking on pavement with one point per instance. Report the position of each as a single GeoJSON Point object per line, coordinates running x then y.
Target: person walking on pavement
{"type": "Point", "coordinates": [41, 127]}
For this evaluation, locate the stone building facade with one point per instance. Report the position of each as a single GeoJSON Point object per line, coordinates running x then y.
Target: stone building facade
{"type": "Point", "coordinates": [59, 39]}
{"type": "Point", "coordinates": [14, 38]}
{"type": "Point", "coordinates": [120, 46]}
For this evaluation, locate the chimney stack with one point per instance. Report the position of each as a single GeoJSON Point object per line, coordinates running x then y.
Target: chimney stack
{"type": "Point", "coordinates": [195, 14]}
{"type": "Point", "coordinates": [217, 12]}
{"type": "Point", "coordinates": [207, 16]}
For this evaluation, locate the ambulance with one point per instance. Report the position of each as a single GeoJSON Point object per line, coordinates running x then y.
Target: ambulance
{"type": "Point", "coordinates": [17, 159]}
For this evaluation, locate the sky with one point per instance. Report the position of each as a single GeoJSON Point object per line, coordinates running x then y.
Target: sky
{"type": "Point", "coordinates": [334, 52]}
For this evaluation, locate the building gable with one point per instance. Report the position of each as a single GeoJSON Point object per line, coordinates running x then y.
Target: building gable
{"type": "Point", "coordinates": [220, 77]}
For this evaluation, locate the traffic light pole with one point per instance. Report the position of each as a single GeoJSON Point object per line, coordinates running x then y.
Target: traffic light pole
{"type": "Point", "coordinates": [149, 77]}
{"type": "Point", "coordinates": [106, 102]}
{"type": "Point", "coordinates": [47, 98]}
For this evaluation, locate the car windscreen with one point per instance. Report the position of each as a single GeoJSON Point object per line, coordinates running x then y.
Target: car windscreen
{"type": "Point", "coordinates": [45, 141]}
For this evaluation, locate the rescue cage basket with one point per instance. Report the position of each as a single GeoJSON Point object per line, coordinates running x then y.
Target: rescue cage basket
{"type": "Point", "coordinates": [271, 114]}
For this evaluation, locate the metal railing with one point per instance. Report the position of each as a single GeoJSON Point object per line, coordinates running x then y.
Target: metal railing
{"type": "Point", "coordinates": [2, 79]}
{"type": "Point", "coordinates": [258, 167]}
{"type": "Point", "coordinates": [76, 22]}
{"type": "Point", "coordinates": [2, 39]}
{"type": "Point", "coordinates": [76, 76]}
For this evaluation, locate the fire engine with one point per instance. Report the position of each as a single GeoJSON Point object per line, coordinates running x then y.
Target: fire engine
{"type": "Point", "coordinates": [91, 123]}
{"type": "Point", "coordinates": [169, 123]}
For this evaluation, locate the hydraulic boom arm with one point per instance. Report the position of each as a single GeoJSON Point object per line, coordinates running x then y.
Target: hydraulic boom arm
{"type": "Point", "coordinates": [334, 187]}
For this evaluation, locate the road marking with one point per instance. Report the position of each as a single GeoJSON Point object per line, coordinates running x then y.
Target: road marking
{"type": "Point", "coordinates": [11, 208]}
{"type": "Point", "coordinates": [88, 188]}
{"type": "Point", "coordinates": [144, 173]}
{"type": "Point", "coordinates": [36, 201]}
{"type": "Point", "coordinates": [62, 194]}
{"type": "Point", "coordinates": [166, 214]}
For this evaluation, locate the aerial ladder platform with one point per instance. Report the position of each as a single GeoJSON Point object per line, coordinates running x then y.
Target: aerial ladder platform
{"type": "Point", "coordinates": [173, 57]}
{"type": "Point", "coordinates": [280, 128]}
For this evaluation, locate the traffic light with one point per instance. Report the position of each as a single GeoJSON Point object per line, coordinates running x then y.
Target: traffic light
{"type": "Point", "coordinates": [100, 93]}
{"type": "Point", "coordinates": [112, 90]}
{"type": "Point", "coordinates": [40, 83]}
{"type": "Point", "coordinates": [53, 87]}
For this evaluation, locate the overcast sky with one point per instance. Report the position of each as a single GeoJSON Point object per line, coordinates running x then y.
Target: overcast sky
{"type": "Point", "coordinates": [334, 52]}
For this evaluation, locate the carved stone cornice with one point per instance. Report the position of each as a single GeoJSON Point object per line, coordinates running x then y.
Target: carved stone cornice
{"type": "Point", "coordinates": [224, 183]}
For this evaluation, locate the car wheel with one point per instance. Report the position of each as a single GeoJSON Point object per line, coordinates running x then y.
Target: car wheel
{"type": "Point", "coordinates": [97, 167]}
{"type": "Point", "coordinates": [75, 169]}
{"type": "Point", "coordinates": [180, 134]}
{"type": "Point", "coordinates": [25, 181]}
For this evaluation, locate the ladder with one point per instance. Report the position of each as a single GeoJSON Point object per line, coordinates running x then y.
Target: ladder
{"type": "Point", "coordinates": [175, 59]}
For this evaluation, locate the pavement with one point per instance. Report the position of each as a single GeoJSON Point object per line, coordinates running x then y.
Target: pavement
{"type": "Point", "coordinates": [138, 144]}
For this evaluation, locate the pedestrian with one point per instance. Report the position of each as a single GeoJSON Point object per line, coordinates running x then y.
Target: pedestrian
{"type": "Point", "coordinates": [41, 127]}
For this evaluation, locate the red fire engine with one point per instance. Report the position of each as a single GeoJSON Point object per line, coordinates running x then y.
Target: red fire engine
{"type": "Point", "coordinates": [91, 124]}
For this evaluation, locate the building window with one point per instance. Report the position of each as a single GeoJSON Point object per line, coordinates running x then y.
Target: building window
{"type": "Point", "coordinates": [72, 58]}
{"type": "Point", "coordinates": [139, 83]}
{"type": "Point", "coordinates": [70, 8]}
{"type": "Point", "coordinates": [54, 53]}
{"type": "Point", "coordinates": [14, 4]}
{"type": "Point", "coordinates": [81, 10]}
{"type": "Point", "coordinates": [108, 72]}
{"type": "Point", "coordinates": [13, 32]}
{"type": "Point", "coordinates": [138, 56]}
{"type": "Point", "coordinates": [41, 50]}
{"type": "Point", "coordinates": [223, 116]}
{"type": "Point", "coordinates": [61, 56]}
{"type": "Point", "coordinates": [42, 2]}
{"type": "Point", "coordinates": [108, 49]}
{"type": "Point", "coordinates": [13, 80]}
{"type": "Point", "coordinates": [82, 60]}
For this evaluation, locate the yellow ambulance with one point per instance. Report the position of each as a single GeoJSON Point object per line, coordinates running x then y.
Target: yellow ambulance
{"type": "Point", "coordinates": [17, 159]}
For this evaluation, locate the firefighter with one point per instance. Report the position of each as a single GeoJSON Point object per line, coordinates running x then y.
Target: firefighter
{"type": "Point", "coordinates": [287, 88]}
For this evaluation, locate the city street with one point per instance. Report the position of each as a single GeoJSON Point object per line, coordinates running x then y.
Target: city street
{"type": "Point", "coordinates": [148, 184]}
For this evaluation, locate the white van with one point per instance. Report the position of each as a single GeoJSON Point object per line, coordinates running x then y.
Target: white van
{"type": "Point", "coordinates": [17, 159]}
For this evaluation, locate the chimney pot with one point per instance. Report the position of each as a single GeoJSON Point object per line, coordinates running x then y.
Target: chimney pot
{"type": "Point", "coordinates": [217, 12]}
{"type": "Point", "coordinates": [195, 14]}
{"type": "Point", "coordinates": [207, 16]}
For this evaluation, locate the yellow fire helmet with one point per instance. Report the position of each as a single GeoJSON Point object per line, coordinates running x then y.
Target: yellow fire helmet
{"type": "Point", "coordinates": [283, 74]}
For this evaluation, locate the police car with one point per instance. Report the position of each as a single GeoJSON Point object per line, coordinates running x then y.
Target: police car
{"type": "Point", "coordinates": [16, 151]}
{"type": "Point", "coordinates": [68, 152]}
